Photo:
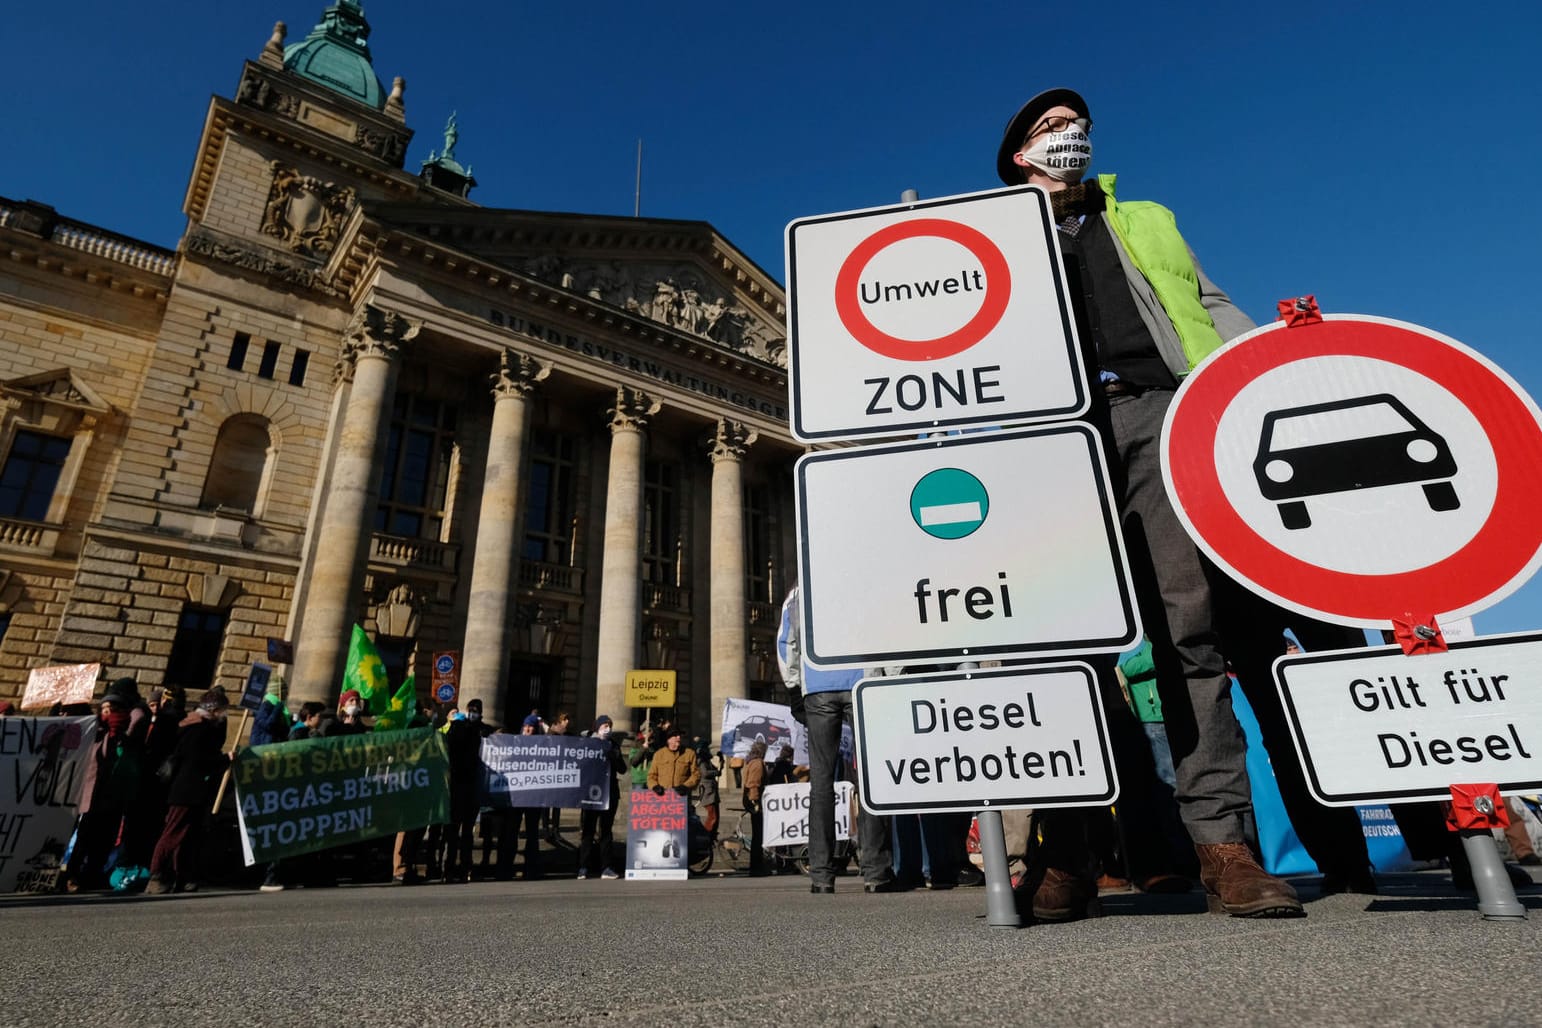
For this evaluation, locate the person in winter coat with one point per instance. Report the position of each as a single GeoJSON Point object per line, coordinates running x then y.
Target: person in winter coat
{"type": "Point", "coordinates": [463, 739]}
{"type": "Point", "coordinates": [595, 843]}
{"type": "Point", "coordinates": [199, 761]}
{"type": "Point", "coordinates": [754, 786]}
{"type": "Point", "coordinates": [271, 722]}
{"type": "Point", "coordinates": [110, 789]}
{"type": "Point", "coordinates": [674, 766]}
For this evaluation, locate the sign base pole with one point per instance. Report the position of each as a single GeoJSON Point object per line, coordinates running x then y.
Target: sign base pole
{"type": "Point", "coordinates": [1000, 906]}
{"type": "Point", "coordinates": [1496, 896]}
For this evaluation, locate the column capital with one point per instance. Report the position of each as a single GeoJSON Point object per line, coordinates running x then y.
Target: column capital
{"type": "Point", "coordinates": [731, 440]}
{"type": "Point", "coordinates": [632, 410]}
{"type": "Point", "coordinates": [376, 332]}
{"type": "Point", "coordinates": [517, 374]}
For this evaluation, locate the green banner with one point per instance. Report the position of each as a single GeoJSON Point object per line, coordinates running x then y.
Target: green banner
{"type": "Point", "coordinates": [314, 794]}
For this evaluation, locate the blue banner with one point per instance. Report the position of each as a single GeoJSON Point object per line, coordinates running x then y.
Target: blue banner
{"type": "Point", "coordinates": [545, 771]}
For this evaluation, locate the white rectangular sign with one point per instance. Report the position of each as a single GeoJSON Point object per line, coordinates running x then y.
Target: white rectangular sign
{"type": "Point", "coordinates": [930, 315]}
{"type": "Point", "coordinates": [1018, 737]}
{"type": "Point", "coordinates": [1379, 726]}
{"type": "Point", "coordinates": [991, 544]}
{"type": "Point", "coordinates": [785, 809]}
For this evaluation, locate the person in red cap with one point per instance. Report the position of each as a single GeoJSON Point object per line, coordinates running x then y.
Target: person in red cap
{"type": "Point", "coordinates": [1146, 315]}
{"type": "Point", "coordinates": [350, 713]}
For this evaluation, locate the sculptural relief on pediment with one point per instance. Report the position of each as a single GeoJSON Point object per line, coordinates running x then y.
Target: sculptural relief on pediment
{"type": "Point", "coordinates": [681, 296]}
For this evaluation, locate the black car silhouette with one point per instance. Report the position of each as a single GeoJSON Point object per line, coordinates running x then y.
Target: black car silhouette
{"type": "Point", "coordinates": [1361, 443]}
{"type": "Point", "coordinates": [759, 728]}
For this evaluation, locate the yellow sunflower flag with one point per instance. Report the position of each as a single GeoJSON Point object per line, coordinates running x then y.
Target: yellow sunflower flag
{"type": "Point", "coordinates": [366, 673]}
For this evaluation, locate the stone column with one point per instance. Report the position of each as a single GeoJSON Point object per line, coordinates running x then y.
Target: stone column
{"type": "Point", "coordinates": [621, 561]}
{"type": "Point", "coordinates": [371, 345]}
{"type": "Point", "coordinates": [494, 571]}
{"type": "Point", "coordinates": [728, 645]}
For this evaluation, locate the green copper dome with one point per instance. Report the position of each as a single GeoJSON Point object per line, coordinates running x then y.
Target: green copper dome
{"type": "Point", "coordinates": [336, 55]}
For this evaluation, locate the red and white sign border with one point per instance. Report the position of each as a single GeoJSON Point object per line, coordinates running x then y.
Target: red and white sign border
{"type": "Point", "coordinates": [1498, 560]}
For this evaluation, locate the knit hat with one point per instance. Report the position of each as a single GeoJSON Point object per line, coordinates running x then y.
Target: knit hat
{"type": "Point", "coordinates": [351, 694]}
{"type": "Point", "coordinates": [603, 719]}
{"type": "Point", "coordinates": [672, 731]}
{"type": "Point", "coordinates": [214, 699]}
{"type": "Point", "coordinates": [532, 721]}
{"type": "Point", "coordinates": [123, 691]}
{"type": "Point", "coordinates": [1023, 122]}
{"type": "Point", "coordinates": [6, 707]}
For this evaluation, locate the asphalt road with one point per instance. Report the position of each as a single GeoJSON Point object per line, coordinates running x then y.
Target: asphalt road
{"type": "Point", "coordinates": [740, 951]}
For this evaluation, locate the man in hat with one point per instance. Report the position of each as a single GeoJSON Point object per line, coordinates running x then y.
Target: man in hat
{"type": "Point", "coordinates": [595, 841]}
{"type": "Point", "coordinates": [1146, 315]}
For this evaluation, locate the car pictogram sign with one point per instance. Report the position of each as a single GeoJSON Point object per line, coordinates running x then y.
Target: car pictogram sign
{"type": "Point", "coordinates": [940, 314]}
{"type": "Point", "coordinates": [1356, 468]}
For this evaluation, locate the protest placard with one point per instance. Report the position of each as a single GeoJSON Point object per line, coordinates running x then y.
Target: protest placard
{"type": "Point", "coordinates": [42, 764]}
{"type": "Point", "coordinates": [545, 771]}
{"type": "Point", "coordinates": [656, 836]}
{"type": "Point", "coordinates": [746, 722]}
{"type": "Point", "coordinates": [785, 808]}
{"type": "Point", "coordinates": [256, 686]}
{"type": "Point", "coordinates": [61, 683]}
{"type": "Point", "coordinates": [314, 794]}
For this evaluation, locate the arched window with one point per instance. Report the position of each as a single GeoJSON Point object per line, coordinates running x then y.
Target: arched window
{"type": "Point", "coordinates": [238, 473]}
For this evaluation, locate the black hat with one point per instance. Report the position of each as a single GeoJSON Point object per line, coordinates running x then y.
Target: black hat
{"type": "Point", "coordinates": [123, 691]}
{"type": "Point", "coordinates": [215, 699]}
{"type": "Point", "coordinates": [672, 731]}
{"type": "Point", "coordinates": [1023, 122]}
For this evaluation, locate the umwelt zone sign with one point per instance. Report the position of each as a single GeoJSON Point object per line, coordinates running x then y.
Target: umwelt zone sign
{"type": "Point", "coordinates": [931, 315]}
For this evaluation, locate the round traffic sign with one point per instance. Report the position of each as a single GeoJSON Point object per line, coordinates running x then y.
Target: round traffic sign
{"type": "Point", "coordinates": [969, 323]}
{"type": "Point", "coordinates": [949, 503]}
{"type": "Point", "coordinates": [444, 664]}
{"type": "Point", "coordinates": [1358, 468]}
{"type": "Point", "coordinates": [445, 693]}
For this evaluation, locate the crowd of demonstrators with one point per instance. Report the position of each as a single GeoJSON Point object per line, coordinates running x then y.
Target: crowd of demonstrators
{"type": "Point", "coordinates": [197, 763]}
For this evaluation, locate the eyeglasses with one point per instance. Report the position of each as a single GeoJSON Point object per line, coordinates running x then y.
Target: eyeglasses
{"type": "Point", "coordinates": [1059, 123]}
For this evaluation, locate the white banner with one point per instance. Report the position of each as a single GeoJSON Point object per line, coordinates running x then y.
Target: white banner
{"type": "Point", "coordinates": [42, 763]}
{"type": "Point", "coordinates": [785, 808]}
{"type": "Point", "coordinates": [746, 721]}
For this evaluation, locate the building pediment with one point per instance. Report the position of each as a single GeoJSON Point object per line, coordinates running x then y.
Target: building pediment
{"type": "Point", "coordinates": [680, 274]}
{"type": "Point", "coordinates": [57, 388]}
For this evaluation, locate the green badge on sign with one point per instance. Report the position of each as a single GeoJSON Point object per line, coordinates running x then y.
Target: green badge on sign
{"type": "Point", "coordinates": [949, 503]}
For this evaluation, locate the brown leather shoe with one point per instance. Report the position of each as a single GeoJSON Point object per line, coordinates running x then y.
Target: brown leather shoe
{"type": "Point", "coordinates": [1236, 885]}
{"type": "Point", "coordinates": [1054, 895]}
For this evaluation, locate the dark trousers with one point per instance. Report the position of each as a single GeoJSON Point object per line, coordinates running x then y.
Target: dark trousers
{"type": "Point", "coordinates": [757, 839]}
{"type": "Point", "coordinates": [595, 838]}
{"type": "Point", "coordinates": [1253, 632]}
{"type": "Point", "coordinates": [508, 841]}
{"type": "Point", "coordinates": [457, 850]}
{"type": "Point", "coordinates": [176, 854]}
{"type": "Point", "coordinates": [826, 712]}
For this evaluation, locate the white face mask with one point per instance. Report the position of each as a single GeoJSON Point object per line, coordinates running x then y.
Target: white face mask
{"type": "Point", "coordinates": [1063, 156]}
{"type": "Point", "coordinates": [474, 715]}
{"type": "Point", "coordinates": [351, 710]}
{"type": "Point", "coordinates": [604, 732]}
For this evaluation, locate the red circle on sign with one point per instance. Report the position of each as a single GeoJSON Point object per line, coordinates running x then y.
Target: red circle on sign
{"type": "Point", "coordinates": [1496, 560]}
{"type": "Point", "coordinates": [998, 290]}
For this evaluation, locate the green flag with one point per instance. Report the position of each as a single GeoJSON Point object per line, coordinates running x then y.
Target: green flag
{"type": "Point", "coordinates": [403, 706]}
{"type": "Point", "coordinates": [366, 672]}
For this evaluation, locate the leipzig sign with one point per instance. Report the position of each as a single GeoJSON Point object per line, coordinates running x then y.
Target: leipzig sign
{"type": "Point", "coordinates": [1357, 468]}
{"type": "Point", "coordinates": [930, 315]}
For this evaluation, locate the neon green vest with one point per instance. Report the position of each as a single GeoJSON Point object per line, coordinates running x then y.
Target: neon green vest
{"type": "Point", "coordinates": [1150, 236]}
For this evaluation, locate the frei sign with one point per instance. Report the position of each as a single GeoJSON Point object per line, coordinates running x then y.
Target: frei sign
{"type": "Point", "coordinates": [650, 688]}
{"type": "Point", "coordinates": [1377, 726]}
{"type": "Point", "coordinates": [1020, 737]}
{"type": "Point", "coordinates": [928, 316]}
{"type": "Point", "coordinates": [991, 544]}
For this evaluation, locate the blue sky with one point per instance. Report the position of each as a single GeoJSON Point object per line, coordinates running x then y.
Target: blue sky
{"type": "Point", "coordinates": [1380, 155]}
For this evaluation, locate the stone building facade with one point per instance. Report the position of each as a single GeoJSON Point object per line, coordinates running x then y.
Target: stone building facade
{"type": "Point", "coordinates": [556, 443]}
